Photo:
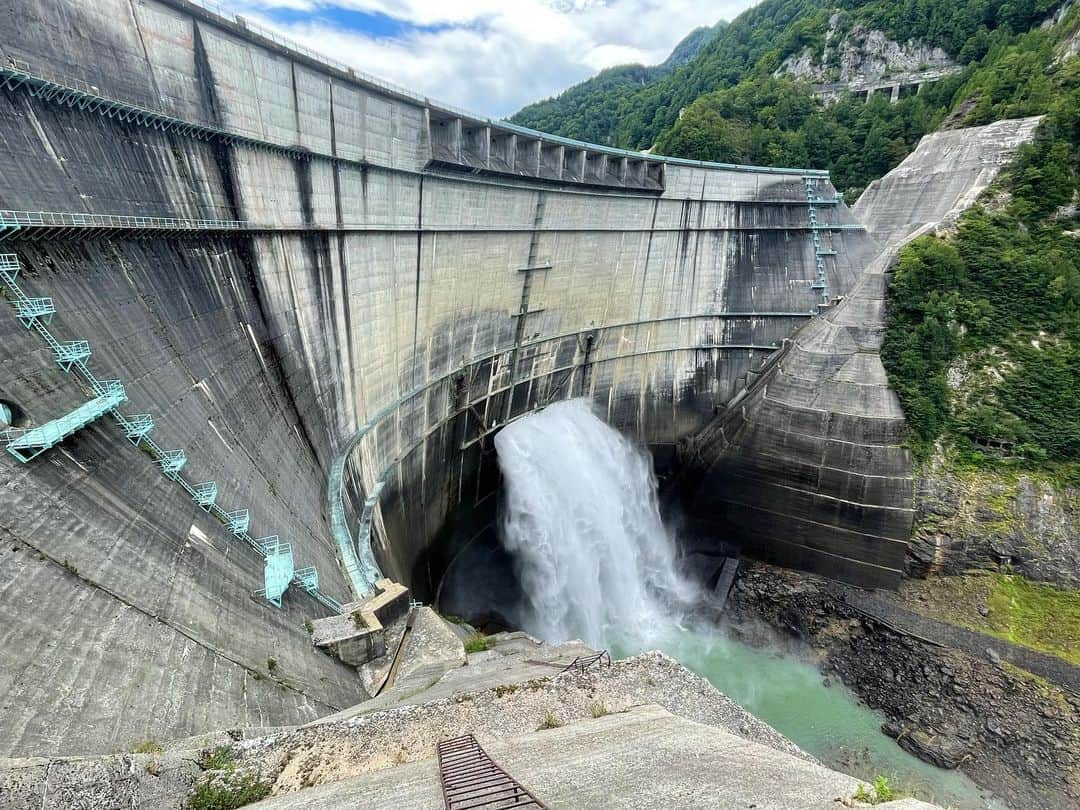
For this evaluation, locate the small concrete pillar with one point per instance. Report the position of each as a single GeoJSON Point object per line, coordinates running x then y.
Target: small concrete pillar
{"type": "Point", "coordinates": [574, 165]}
{"type": "Point", "coordinates": [455, 138]}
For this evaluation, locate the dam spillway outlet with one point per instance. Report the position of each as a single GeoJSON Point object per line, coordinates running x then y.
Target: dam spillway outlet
{"type": "Point", "coordinates": [274, 314]}
{"type": "Point", "coordinates": [581, 520]}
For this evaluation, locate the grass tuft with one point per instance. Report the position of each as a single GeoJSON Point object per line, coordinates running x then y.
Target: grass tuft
{"type": "Point", "coordinates": [478, 643]}
{"type": "Point", "coordinates": [880, 793]}
{"type": "Point", "coordinates": [551, 720]}
{"type": "Point", "coordinates": [218, 759]}
{"type": "Point", "coordinates": [227, 792]}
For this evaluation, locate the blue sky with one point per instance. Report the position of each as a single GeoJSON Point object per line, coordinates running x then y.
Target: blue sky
{"type": "Point", "coordinates": [487, 56]}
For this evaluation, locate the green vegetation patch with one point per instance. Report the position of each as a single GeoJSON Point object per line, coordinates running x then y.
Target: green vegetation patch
{"type": "Point", "coordinates": [218, 759]}
{"type": "Point", "coordinates": [1016, 609]}
{"type": "Point", "coordinates": [227, 792]}
{"type": "Point", "coordinates": [1035, 615]}
{"type": "Point", "coordinates": [881, 792]}
{"type": "Point", "coordinates": [478, 642]}
{"type": "Point", "coordinates": [148, 747]}
{"type": "Point", "coordinates": [779, 122]}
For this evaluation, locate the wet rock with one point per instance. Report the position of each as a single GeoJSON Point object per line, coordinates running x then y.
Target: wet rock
{"type": "Point", "coordinates": [942, 750]}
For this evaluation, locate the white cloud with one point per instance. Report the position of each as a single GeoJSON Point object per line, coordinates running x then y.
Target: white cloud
{"type": "Point", "coordinates": [495, 56]}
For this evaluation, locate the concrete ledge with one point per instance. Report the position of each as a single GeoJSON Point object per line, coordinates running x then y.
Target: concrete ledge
{"type": "Point", "coordinates": [358, 634]}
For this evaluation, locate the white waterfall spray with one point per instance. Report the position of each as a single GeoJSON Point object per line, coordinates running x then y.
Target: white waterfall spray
{"type": "Point", "coordinates": [581, 519]}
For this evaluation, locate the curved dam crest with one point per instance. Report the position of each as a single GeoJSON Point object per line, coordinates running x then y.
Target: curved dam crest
{"type": "Point", "coordinates": [330, 293]}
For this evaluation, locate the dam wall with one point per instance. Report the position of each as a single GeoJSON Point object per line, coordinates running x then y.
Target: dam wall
{"type": "Point", "coordinates": [329, 292]}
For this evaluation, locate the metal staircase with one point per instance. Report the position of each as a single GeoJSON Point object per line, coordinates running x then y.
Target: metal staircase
{"type": "Point", "coordinates": [31, 443]}
{"type": "Point", "coordinates": [814, 200]}
{"type": "Point", "coordinates": [26, 444]}
{"type": "Point", "coordinates": [278, 573]}
{"type": "Point", "coordinates": [471, 779]}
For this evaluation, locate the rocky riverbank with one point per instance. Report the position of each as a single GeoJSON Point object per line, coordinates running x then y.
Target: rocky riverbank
{"type": "Point", "coordinates": [1013, 733]}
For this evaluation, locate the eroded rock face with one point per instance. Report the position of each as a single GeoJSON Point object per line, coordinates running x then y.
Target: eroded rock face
{"type": "Point", "coordinates": [943, 750]}
{"type": "Point", "coordinates": [863, 56]}
{"type": "Point", "coordinates": [984, 520]}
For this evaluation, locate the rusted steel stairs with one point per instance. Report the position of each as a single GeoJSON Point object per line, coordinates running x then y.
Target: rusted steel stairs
{"type": "Point", "coordinates": [471, 779]}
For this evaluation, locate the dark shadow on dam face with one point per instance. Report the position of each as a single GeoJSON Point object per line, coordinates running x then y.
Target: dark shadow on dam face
{"type": "Point", "coordinates": [468, 571]}
{"type": "Point", "coordinates": [481, 584]}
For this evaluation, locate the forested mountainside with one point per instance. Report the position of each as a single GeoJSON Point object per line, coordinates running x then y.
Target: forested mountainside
{"type": "Point", "coordinates": [740, 100]}
{"type": "Point", "coordinates": [983, 347]}
{"type": "Point", "coordinates": [590, 109]}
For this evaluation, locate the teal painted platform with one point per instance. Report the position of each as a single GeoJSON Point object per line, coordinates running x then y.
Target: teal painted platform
{"type": "Point", "coordinates": [32, 443]}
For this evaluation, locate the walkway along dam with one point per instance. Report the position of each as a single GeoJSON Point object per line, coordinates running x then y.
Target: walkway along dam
{"type": "Point", "coordinates": [264, 315]}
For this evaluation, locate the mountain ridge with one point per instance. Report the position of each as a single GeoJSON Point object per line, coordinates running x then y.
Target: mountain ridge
{"type": "Point", "coordinates": [612, 84]}
{"type": "Point", "coordinates": [621, 109]}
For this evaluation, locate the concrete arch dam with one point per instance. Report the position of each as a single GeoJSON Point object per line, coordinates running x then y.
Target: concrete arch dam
{"type": "Point", "coordinates": [327, 292]}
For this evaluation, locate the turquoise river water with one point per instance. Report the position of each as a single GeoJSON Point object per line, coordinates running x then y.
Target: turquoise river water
{"type": "Point", "coordinates": [829, 722]}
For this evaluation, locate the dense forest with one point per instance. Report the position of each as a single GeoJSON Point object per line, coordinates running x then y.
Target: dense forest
{"type": "Point", "coordinates": [734, 110]}
{"type": "Point", "coordinates": [983, 344]}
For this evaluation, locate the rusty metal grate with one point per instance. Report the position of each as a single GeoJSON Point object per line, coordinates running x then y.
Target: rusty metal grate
{"type": "Point", "coordinates": [583, 662]}
{"type": "Point", "coordinates": [470, 778]}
